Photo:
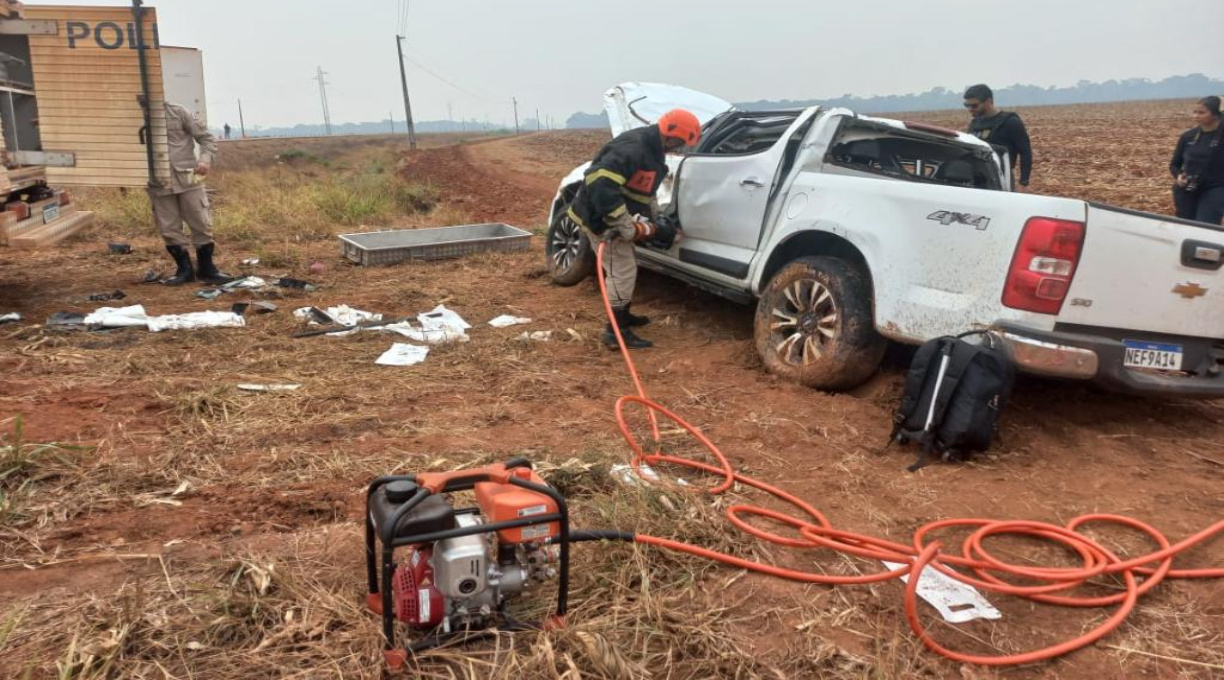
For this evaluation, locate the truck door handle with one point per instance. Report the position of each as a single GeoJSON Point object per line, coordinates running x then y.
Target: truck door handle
{"type": "Point", "coordinates": [752, 182]}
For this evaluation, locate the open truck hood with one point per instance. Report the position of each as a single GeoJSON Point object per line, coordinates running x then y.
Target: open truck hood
{"type": "Point", "coordinates": [634, 105]}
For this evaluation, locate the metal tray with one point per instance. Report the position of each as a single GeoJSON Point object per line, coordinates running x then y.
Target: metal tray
{"type": "Point", "coordinates": [390, 247]}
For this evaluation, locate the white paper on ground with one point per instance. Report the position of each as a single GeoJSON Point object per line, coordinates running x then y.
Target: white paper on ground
{"type": "Point", "coordinates": [626, 475]}
{"type": "Point", "coordinates": [251, 387]}
{"type": "Point", "coordinates": [118, 317]}
{"type": "Point", "coordinates": [11, 316]}
{"type": "Point", "coordinates": [506, 320]}
{"type": "Point", "coordinates": [442, 318]}
{"type": "Point", "coordinates": [955, 601]}
{"type": "Point", "coordinates": [538, 336]}
{"type": "Point", "coordinates": [194, 321]}
{"type": "Point", "coordinates": [402, 354]}
{"type": "Point", "coordinates": [246, 282]}
{"type": "Point", "coordinates": [429, 337]}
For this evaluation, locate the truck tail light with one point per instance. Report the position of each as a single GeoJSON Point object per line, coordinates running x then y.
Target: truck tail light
{"type": "Point", "coordinates": [1044, 264]}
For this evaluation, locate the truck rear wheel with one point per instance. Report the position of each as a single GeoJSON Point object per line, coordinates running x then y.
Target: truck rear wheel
{"type": "Point", "coordinates": [814, 325]}
{"type": "Point", "coordinates": [570, 255]}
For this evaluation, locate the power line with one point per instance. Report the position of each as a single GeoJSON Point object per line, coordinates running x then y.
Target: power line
{"type": "Point", "coordinates": [448, 82]}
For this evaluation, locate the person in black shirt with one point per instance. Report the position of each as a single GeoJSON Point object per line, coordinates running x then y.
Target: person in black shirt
{"type": "Point", "coordinates": [1198, 166]}
{"type": "Point", "coordinates": [1002, 128]}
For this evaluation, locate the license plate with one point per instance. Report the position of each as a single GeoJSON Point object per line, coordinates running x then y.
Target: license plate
{"type": "Point", "coordinates": [50, 213]}
{"type": "Point", "coordinates": [1140, 354]}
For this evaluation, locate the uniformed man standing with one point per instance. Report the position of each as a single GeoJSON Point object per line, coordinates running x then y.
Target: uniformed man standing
{"type": "Point", "coordinates": [185, 200]}
{"type": "Point", "coordinates": [616, 204]}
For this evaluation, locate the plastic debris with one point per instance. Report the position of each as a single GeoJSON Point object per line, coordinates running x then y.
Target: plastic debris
{"type": "Point", "coordinates": [152, 276]}
{"type": "Point", "coordinates": [117, 317]}
{"type": "Point", "coordinates": [251, 387]}
{"type": "Point", "coordinates": [119, 248]}
{"type": "Point", "coordinates": [194, 321]}
{"type": "Point", "coordinates": [402, 354]}
{"type": "Point", "coordinates": [955, 601]}
{"type": "Point", "coordinates": [430, 337]}
{"type": "Point", "coordinates": [506, 320]}
{"type": "Point", "coordinates": [537, 336]}
{"type": "Point", "coordinates": [10, 317]}
{"type": "Point", "coordinates": [285, 282]}
{"type": "Point", "coordinates": [625, 474]}
{"type": "Point", "coordinates": [65, 321]}
{"type": "Point", "coordinates": [442, 318]}
{"type": "Point", "coordinates": [210, 293]}
{"type": "Point", "coordinates": [250, 261]}
{"type": "Point", "coordinates": [258, 307]}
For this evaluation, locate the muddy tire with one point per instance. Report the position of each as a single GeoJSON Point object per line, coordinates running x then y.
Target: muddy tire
{"type": "Point", "coordinates": [570, 255]}
{"type": "Point", "coordinates": [814, 325]}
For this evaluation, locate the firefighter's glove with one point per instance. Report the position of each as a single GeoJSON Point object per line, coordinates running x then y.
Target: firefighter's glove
{"type": "Point", "coordinates": [667, 232]}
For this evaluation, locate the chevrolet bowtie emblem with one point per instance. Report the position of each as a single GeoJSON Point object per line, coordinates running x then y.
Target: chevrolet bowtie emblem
{"type": "Point", "coordinates": [1189, 290]}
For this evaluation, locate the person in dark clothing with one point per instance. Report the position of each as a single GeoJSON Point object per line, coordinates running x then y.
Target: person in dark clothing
{"type": "Point", "coordinates": [1198, 166]}
{"type": "Point", "coordinates": [1002, 128]}
{"type": "Point", "coordinates": [616, 204]}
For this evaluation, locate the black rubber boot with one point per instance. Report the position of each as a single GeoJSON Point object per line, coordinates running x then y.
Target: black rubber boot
{"type": "Point", "coordinates": [635, 320]}
{"type": "Point", "coordinates": [207, 271]}
{"type": "Point", "coordinates": [632, 341]}
{"type": "Point", "coordinates": [184, 273]}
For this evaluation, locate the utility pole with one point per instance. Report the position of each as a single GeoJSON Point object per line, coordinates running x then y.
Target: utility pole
{"type": "Point", "coordinates": [537, 120]}
{"type": "Point", "coordinates": [516, 127]}
{"type": "Point", "coordinates": [391, 117]}
{"type": "Point", "coordinates": [241, 122]}
{"type": "Point", "coordinates": [323, 97]}
{"type": "Point", "coordinates": [412, 142]}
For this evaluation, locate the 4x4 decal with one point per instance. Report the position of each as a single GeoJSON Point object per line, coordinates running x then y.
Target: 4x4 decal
{"type": "Point", "coordinates": [946, 217]}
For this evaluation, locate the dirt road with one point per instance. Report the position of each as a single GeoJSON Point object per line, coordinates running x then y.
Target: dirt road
{"type": "Point", "coordinates": [277, 479]}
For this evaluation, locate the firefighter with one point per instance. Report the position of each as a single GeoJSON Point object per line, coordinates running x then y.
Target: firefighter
{"type": "Point", "coordinates": [616, 204]}
{"type": "Point", "coordinates": [185, 200]}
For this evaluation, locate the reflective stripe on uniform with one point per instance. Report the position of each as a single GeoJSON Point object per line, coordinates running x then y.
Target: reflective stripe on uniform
{"type": "Point", "coordinates": [619, 179]}
{"type": "Point", "coordinates": [620, 210]}
{"type": "Point", "coordinates": [640, 198]}
{"type": "Point", "coordinates": [574, 216]}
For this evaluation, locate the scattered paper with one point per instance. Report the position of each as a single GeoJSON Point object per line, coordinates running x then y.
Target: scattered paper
{"type": "Point", "coordinates": [429, 337]}
{"type": "Point", "coordinates": [626, 475]}
{"type": "Point", "coordinates": [246, 283]}
{"type": "Point", "coordinates": [442, 318]}
{"type": "Point", "coordinates": [537, 336]}
{"type": "Point", "coordinates": [117, 317]}
{"type": "Point", "coordinates": [10, 317]}
{"type": "Point", "coordinates": [251, 387]}
{"type": "Point", "coordinates": [955, 601]}
{"type": "Point", "coordinates": [193, 321]}
{"type": "Point", "coordinates": [506, 320]}
{"type": "Point", "coordinates": [402, 354]}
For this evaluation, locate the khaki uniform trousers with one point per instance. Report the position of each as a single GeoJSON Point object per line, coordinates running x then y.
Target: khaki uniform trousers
{"type": "Point", "coordinates": [171, 209]}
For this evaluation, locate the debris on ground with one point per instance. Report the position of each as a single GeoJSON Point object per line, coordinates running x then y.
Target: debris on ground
{"type": "Point", "coordinates": [299, 284]}
{"type": "Point", "coordinates": [956, 602]}
{"type": "Point", "coordinates": [135, 316]}
{"type": "Point", "coordinates": [253, 387]}
{"type": "Point", "coordinates": [152, 276]}
{"type": "Point", "coordinates": [250, 262]}
{"type": "Point", "coordinates": [107, 297]}
{"type": "Point", "coordinates": [536, 336]}
{"type": "Point", "coordinates": [251, 283]}
{"type": "Point", "coordinates": [442, 318]}
{"type": "Point", "coordinates": [10, 317]}
{"type": "Point", "coordinates": [506, 320]}
{"type": "Point", "coordinates": [259, 307]}
{"type": "Point", "coordinates": [402, 354]}
{"type": "Point", "coordinates": [119, 248]}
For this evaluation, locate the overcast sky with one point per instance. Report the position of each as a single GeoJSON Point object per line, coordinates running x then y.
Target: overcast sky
{"type": "Point", "coordinates": [560, 55]}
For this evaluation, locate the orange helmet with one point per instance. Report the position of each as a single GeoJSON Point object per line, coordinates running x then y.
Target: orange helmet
{"type": "Point", "coordinates": [680, 124]}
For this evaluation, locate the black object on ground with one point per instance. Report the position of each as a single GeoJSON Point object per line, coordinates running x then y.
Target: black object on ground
{"type": "Point", "coordinates": [106, 297]}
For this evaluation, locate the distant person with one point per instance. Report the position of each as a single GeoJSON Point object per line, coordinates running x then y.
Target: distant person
{"type": "Point", "coordinates": [1002, 128]}
{"type": "Point", "coordinates": [227, 131]}
{"type": "Point", "coordinates": [186, 200]}
{"type": "Point", "coordinates": [1198, 166]}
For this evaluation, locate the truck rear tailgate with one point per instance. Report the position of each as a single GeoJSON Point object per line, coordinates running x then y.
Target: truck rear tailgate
{"type": "Point", "coordinates": [1148, 273]}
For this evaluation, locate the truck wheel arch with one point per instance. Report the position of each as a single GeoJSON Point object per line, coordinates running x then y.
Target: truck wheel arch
{"type": "Point", "coordinates": [809, 243]}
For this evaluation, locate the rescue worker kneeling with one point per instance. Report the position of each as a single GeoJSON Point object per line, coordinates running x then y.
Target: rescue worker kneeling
{"type": "Point", "coordinates": [616, 204]}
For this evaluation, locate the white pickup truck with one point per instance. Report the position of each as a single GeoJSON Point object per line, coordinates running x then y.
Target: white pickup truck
{"type": "Point", "coordinates": [850, 230]}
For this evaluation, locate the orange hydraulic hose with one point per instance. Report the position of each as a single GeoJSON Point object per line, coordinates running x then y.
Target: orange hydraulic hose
{"type": "Point", "coordinates": [816, 531]}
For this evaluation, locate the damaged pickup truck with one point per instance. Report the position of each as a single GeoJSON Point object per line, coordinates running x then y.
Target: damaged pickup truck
{"type": "Point", "coordinates": [848, 231]}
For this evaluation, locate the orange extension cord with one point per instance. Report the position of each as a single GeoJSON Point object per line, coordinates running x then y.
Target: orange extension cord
{"type": "Point", "coordinates": [816, 531]}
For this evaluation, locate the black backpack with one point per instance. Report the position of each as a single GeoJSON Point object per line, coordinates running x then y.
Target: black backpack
{"type": "Point", "coordinates": [954, 393]}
